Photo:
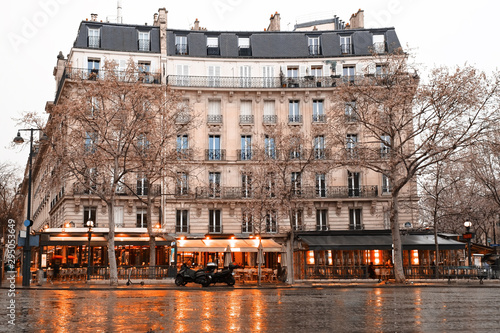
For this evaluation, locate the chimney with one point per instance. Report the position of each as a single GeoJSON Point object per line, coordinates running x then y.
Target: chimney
{"type": "Point", "coordinates": [274, 24]}
{"type": "Point", "coordinates": [93, 17]}
{"type": "Point", "coordinates": [357, 20]}
{"type": "Point", "coordinates": [196, 25]}
{"type": "Point", "coordinates": [155, 20]}
{"type": "Point", "coordinates": [119, 17]}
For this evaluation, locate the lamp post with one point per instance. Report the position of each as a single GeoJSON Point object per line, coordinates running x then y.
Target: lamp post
{"type": "Point", "coordinates": [468, 236]}
{"type": "Point", "coordinates": [26, 269]}
{"type": "Point", "coordinates": [90, 225]}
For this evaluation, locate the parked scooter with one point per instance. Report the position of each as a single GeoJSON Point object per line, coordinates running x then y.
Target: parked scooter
{"type": "Point", "coordinates": [187, 275]}
{"type": "Point", "coordinates": [225, 275]}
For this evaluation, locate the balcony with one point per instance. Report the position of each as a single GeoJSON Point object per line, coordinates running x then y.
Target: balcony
{"type": "Point", "coordinates": [262, 82]}
{"type": "Point", "coordinates": [295, 119]}
{"type": "Point", "coordinates": [184, 154]}
{"type": "Point", "coordinates": [246, 120]}
{"type": "Point", "coordinates": [270, 119]}
{"type": "Point", "coordinates": [122, 190]}
{"type": "Point", "coordinates": [100, 74]}
{"type": "Point", "coordinates": [183, 229]}
{"type": "Point", "coordinates": [319, 118]}
{"type": "Point", "coordinates": [213, 50]}
{"type": "Point", "coordinates": [215, 155]}
{"type": "Point", "coordinates": [304, 192]}
{"type": "Point", "coordinates": [244, 154]}
{"type": "Point", "coordinates": [214, 119]}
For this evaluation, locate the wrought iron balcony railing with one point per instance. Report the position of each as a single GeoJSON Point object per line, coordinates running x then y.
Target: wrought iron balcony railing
{"type": "Point", "coordinates": [319, 118]}
{"type": "Point", "coordinates": [214, 119]}
{"type": "Point", "coordinates": [215, 154]}
{"type": "Point", "coordinates": [246, 119]}
{"type": "Point", "coordinates": [94, 42]}
{"type": "Point", "coordinates": [244, 154]}
{"type": "Point", "coordinates": [270, 119]}
{"type": "Point", "coordinates": [101, 74]}
{"type": "Point", "coordinates": [181, 49]}
{"type": "Point", "coordinates": [314, 50]}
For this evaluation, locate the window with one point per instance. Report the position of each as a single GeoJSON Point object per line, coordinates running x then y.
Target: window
{"type": "Point", "coordinates": [385, 146]}
{"type": "Point", "coordinates": [214, 111]}
{"type": "Point", "coordinates": [90, 142]}
{"type": "Point", "coordinates": [321, 219]}
{"type": "Point", "coordinates": [268, 76]}
{"type": "Point", "coordinates": [292, 72]}
{"type": "Point", "coordinates": [317, 71]}
{"type": "Point", "coordinates": [378, 43]}
{"type": "Point", "coordinates": [246, 148]}
{"type": "Point", "coordinates": [142, 219]}
{"type": "Point", "coordinates": [182, 146]}
{"type": "Point", "coordinates": [296, 184]}
{"type": "Point", "coordinates": [142, 144]}
{"type": "Point", "coordinates": [246, 116]}
{"type": "Point", "coordinates": [246, 185]}
{"type": "Point", "coordinates": [294, 112]}
{"type": "Point", "coordinates": [269, 147]}
{"type": "Point", "coordinates": [351, 145]}
{"type": "Point", "coordinates": [214, 151]}
{"type": "Point", "coordinates": [245, 74]}
{"type": "Point", "coordinates": [348, 73]}
{"type": "Point", "coordinates": [214, 76]}
{"type": "Point", "coordinates": [296, 216]}
{"type": "Point", "coordinates": [269, 112]}
{"type": "Point", "coordinates": [313, 43]}
{"type": "Point", "coordinates": [94, 107]}
{"type": "Point", "coordinates": [350, 111]}
{"type": "Point", "coordinates": [181, 46]}
{"type": "Point", "coordinates": [182, 184]}
{"type": "Point", "coordinates": [353, 184]}
{"type": "Point", "coordinates": [214, 221]}
{"type": "Point", "coordinates": [144, 41]}
{"type": "Point", "coordinates": [181, 220]}
{"type": "Point", "coordinates": [355, 219]}
{"type": "Point", "coordinates": [272, 222]}
{"type": "Point", "coordinates": [244, 47]}
{"type": "Point", "coordinates": [380, 70]}
{"type": "Point", "coordinates": [90, 180]}
{"type": "Point", "coordinates": [318, 112]}
{"type": "Point", "coordinates": [89, 214]}
{"type": "Point", "coordinates": [386, 184]}
{"type": "Point", "coordinates": [214, 184]}
{"type": "Point", "coordinates": [295, 148]}
{"type": "Point", "coordinates": [270, 185]}
{"type": "Point", "coordinates": [93, 68]}
{"type": "Point", "coordinates": [94, 38]}
{"type": "Point", "coordinates": [319, 147]}
{"type": "Point", "coordinates": [345, 44]}
{"type": "Point", "coordinates": [142, 184]}
{"type": "Point", "coordinates": [213, 46]}
{"type": "Point", "coordinates": [182, 75]}
{"type": "Point", "coordinates": [144, 66]}
{"type": "Point", "coordinates": [320, 185]}
{"type": "Point", "coordinates": [246, 222]}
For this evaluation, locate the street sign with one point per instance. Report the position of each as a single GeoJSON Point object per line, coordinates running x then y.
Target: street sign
{"type": "Point", "coordinates": [467, 235]}
{"type": "Point", "coordinates": [494, 244]}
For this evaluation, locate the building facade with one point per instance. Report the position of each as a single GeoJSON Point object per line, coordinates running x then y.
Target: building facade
{"type": "Point", "coordinates": [242, 86]}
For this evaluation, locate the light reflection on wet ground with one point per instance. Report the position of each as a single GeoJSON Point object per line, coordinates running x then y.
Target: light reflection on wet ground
{"type": "Point", "coordinates": [446, 309]}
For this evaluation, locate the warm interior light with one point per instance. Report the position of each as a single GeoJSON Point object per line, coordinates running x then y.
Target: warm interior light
{"type": "Point", "coordinates": [310, 259]}
{"type": "Point", "coordinates": [67, 225]}
{"type": "Point", "coordinates": [414, 254]}
{"type": "Point", "coordinates": [158, 226]}
{"type": "Point", "coordinates": [232, 237]}
{"type": "Point", "coordinates": [207, 237]}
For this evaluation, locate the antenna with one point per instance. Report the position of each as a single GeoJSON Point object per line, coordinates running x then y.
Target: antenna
{"type": "Point", "coordinates": [119, 17]}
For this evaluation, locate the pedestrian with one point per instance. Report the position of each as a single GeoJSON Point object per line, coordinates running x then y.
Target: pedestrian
{"type": "Point", "coordinates": [371, 271]}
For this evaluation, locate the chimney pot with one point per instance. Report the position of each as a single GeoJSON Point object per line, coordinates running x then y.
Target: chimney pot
{"type": "Point", "coordinates": [93, 17]}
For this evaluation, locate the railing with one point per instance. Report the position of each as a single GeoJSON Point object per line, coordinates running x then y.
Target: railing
{"type": "Point", "coordinates": [319, 118]}
{"type": "Point", "coordinates": [245, 51]}
{"type": "Point", "coordinates": [270, 119]}
{"type": "Point", "coordinates": [246, 119]}
{"type": "Point", "coordinates": [259, 82]}
{"type": "Point", "coordinates": [244, 154]}
{"type": "Point", "coordinates": [215, 155]}
{"type": "Point", "coordinates": [184, 154]}
{"type": "Point", "coordinates": [100, 74]}
{"type": "Point", "coordinates": [94, 42]}
{"type": "Point", "coordinates": [182, 228]}
{"type": "Point", "coordinates": [295, 119]}
{"type": "Point", "coordinates": [346, 48]}
{"type": "Point", "coordinates": [314, 50]}
{"type": "Point", "coordinates": [215, 229]}
{"type": "Point", "coordinates": [214, 119]}
{"type": "Point", "coordinates": [143, 44]}
{"type": "Point", "coordinates": [379, 47]}
{"type": "Point", "coordinates": [213, 50]}
{"type": "Point", "coordinates": [129, 189]}
{"type": "Point", "coordinates": [181, 49]}
{"type": "Point", "coordinates": [182, 119]}
{"type": "Point", "coordinates": [134, 272]}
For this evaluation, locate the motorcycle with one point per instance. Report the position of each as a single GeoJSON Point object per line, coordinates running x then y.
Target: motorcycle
{"type": "Point", "coordinates": [187, 275]}
{"type": "Point", "coordinates": [226, 275]}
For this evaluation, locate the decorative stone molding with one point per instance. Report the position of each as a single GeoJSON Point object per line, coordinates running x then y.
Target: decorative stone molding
{"type": "Point", "coordinates": [373, 208]}
{"type": "Point", "coordinates": [339, 208]}
{"type": "Point", "coordinates": [104, 207]}
{"type": "Point", "coordinates": [130, 206]}
{"type": "Point", "coordinates": [198, 96]}
{"type": "Point", "coordinates": [306, 98]}
{"type": "Point", "coordinates": [77, 205]}
{"type": "Point", "coordinates": [258, 97]}
{"type": "Point", "coordinates": [231, 95]}
{"type": "Point", "coordinates": [283, 97]}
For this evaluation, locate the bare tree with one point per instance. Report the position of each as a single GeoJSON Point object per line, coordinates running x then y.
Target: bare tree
{"type": "Point", "coordinates": [407, 126]}
{"type": "Point", "coordinates": [99, 132]}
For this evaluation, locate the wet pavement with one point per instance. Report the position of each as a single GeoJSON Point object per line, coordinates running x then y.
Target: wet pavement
{"type": "Point", "coordinates": [376, 308]}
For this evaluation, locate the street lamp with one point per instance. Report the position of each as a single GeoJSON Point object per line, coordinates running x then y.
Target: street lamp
{"type": "Point", "coordinates": [90, 225]}
{"type": "Point", "coordinates": [468, 236]}
{"type": "Point", "coordinates": [28, 223]}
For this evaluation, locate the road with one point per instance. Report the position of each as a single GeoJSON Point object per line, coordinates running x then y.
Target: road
{"type": "Point", "coordinates": [407, 309]}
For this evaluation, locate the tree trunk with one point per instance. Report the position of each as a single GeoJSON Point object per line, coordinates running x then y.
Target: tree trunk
{"type": "Point", "coordinates": [113, 270]}
{"type": "Point", "coordinates": [152, 240]}
{"type": "Point", "coordinates": [291, 278]}
{"type": "Point", "coordinates": [399, 275]}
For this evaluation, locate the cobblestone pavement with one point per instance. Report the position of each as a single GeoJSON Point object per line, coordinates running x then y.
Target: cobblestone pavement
{"type": "Point", "coordinates": [375, 308]}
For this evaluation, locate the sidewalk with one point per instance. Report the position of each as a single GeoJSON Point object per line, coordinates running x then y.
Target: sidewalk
{"type": "Point", "coordinates": [168, 284]}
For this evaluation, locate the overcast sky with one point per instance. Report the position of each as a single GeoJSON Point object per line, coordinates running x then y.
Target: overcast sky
{"type": "Point", "coordinates": [440, 32]}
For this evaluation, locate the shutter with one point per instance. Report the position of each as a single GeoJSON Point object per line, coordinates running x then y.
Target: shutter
{"type": "Point", "coordinates": [246, 108]}
{"type": "Point", "coordinates": [269, 108]}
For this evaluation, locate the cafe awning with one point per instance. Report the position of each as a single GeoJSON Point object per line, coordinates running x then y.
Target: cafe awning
{"type": "Point", "coordinates": [219, 245]}
{"type": "Point", "coordinates": [377, 242]}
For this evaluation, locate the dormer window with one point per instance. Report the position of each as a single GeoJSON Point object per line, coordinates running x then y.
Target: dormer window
{"type": "Point", "coordinates": [181, 45]}
{"type": "Point", "coordinates": [144, 41]}
{"type": "Point", "coordinates": [94, 38]}
{"type": "Point", "coordinates": [213, 46]}
{"type": "Point", "coordinates": [345, 45]}
{"type": "Point", "coordinates": [378, 43]}
{"type": "Point", "coordinates": [314, 47]}
{"type": "Point", "coordinates": [244, 47]}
